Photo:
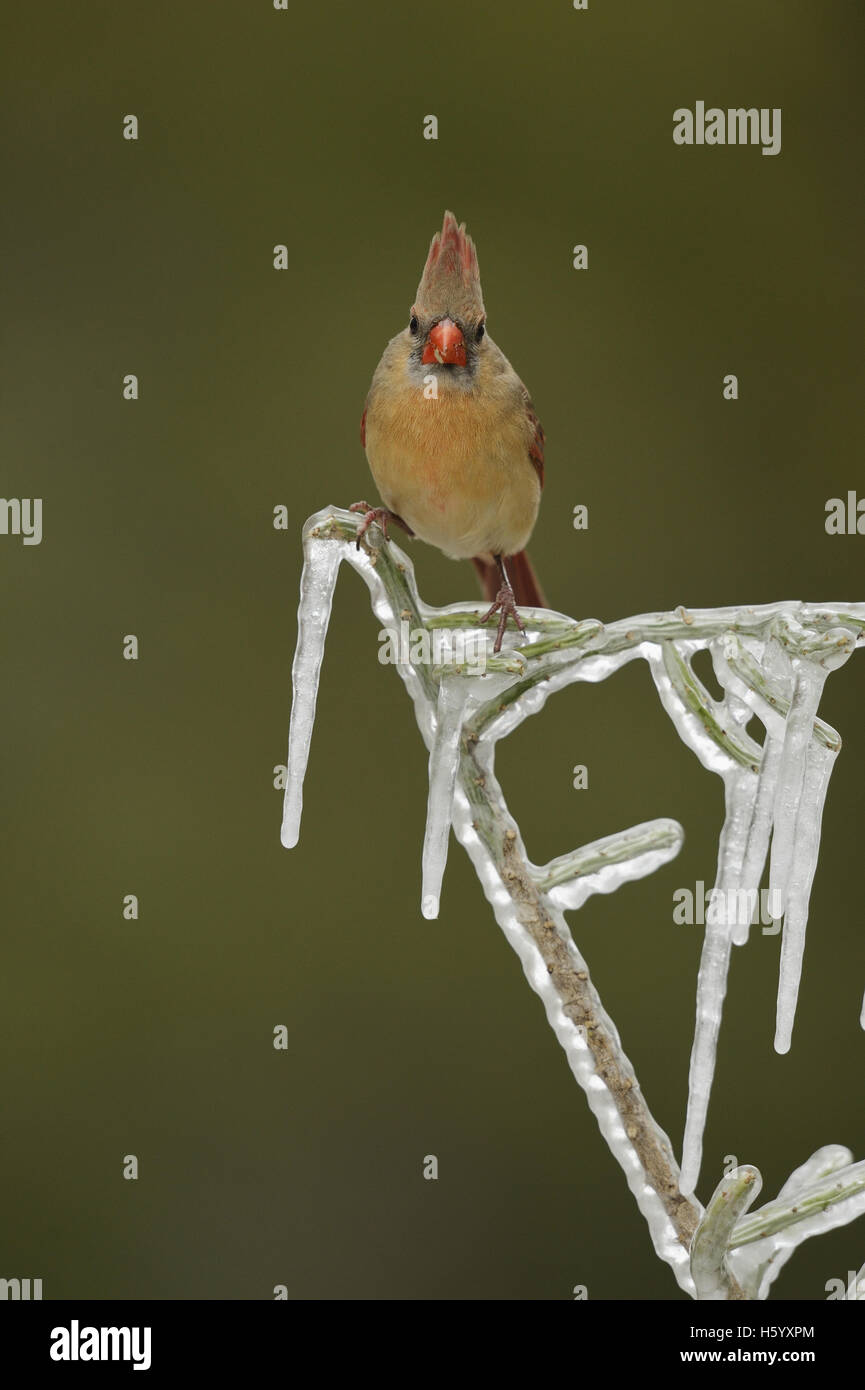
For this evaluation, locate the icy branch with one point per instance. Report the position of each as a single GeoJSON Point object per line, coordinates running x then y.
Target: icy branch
{"type": "Point", "coordinates": [829, 1201]}
{"type": "Point", "coordinates": [826, 1191]}
{"type": "Point", "coordinates": [604, 864]}
{"type": "Point", "coordinates": [772, 662]}
{"type": "Point", "coordinates": [712, 1276]}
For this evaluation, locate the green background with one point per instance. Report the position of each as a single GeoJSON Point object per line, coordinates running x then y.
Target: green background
{"type": "Point", "coordinates": [155, 777]}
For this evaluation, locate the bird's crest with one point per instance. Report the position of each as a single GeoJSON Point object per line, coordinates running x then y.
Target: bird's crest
{"type": "Point", "coordinates": [451, 282]}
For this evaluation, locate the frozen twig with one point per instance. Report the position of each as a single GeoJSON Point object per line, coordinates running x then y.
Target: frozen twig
{"type": "Point", "coordinates": [712, 1276]}
{"type": "Point", "coordinates": [811, 1208]}
{"type": "Point", "coordinates": [462, 713]}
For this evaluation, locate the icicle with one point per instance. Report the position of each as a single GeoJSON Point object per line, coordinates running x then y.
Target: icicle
{"type": "Point", "coordinates": [714, 965]}
{"type": "Point", "coordinates": [321, 562]}
{"type": "Point", "coordinates": [724, 652]}
{"type": "Point", "coordinates": [444, 761]}
{"type": "Point", "coordinates": [759, 832]}
{"type": "Point", "coordinates": [819, 762]}
{"type": "Point", "coordinates": [714, 731]}
{"type": "Point", "coordinates": [809, 682]}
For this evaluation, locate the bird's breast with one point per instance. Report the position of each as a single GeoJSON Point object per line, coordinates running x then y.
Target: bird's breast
{"type": "Point", "coordinates": [455, 467]}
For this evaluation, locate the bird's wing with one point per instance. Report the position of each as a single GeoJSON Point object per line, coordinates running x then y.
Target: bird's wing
{"type": "Point", "coordinates": [536, 447]}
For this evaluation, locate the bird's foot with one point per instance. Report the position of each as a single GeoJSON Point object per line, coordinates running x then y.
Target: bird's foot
{"type": "Point", "coordinates": [505, 605]}
{"type": "Point", "coordinates": [380, 514]}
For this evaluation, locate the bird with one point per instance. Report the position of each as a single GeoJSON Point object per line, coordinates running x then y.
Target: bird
{"type": "Point", "coordinates": [453, 442]}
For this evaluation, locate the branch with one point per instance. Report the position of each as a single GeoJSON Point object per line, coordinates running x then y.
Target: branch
{"type": "Point", "coordinates": [461, 716]}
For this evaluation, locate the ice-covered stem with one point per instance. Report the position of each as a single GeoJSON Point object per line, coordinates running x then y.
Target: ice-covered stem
{"type": "Point", "coordinates": [698, 625]}
{"type": "Point", "coordinates": [758, 1263]}
{"type": "Point", "coordinates": [835, 1199]}
{"type": "Point", "coordinates": [579, 1004]}
{"type": "Point", "coordinates": [657, 840]}
{"type": "Point", "coordinates": [773, 1232]}
{"type": "Point", "coordinates": [713, 1278]}
{"type": "Point", "coordinates": [767, 696]}
{"type": "Point", "coordinates": [528, 908]}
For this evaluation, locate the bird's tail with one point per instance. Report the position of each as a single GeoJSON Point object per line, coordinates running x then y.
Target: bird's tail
{"type": "Point", "coordinates": [524, 581]}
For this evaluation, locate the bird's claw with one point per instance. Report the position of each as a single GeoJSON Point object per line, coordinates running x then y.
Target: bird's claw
{"type": "Point", "coordinates": [380, 514]}
{"type": "Point", "coordinates": [506, 605]}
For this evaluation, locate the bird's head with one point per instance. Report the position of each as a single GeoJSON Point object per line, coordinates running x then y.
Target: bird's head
{"type": "Point", "coordinates": [447, 321]}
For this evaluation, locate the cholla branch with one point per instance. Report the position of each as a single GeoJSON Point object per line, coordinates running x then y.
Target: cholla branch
{"type": "Point", "coordinates": [712, 1276]}
{"type": "Point", "coordinates": [772, 661]}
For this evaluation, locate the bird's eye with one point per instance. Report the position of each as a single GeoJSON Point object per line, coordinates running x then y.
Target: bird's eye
{"type": "Point", "coordinates": [481, 331]}
{"type": "Point", "coordinates": [413, 324]}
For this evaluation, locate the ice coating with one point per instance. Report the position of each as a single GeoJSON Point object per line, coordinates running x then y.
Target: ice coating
{"type": "Point", "coordinates": [317, 591]}
{"type": "Point", "coordinates": [780, 786]}
{"type": "Point", "coordinates": [570, 1036]}
{"type": "Point", "coordinates": [317, 583]}
{"type": "Point", "coordinates": [819, 763]}
{"type": "Point", "coordinates": [828, 1159]}
{"type": "Point", "coordinates": [776, 791]}
{"type": "Point", "coordinates": [603, 865]}
{"type": "Point", "coordinates": [760, 829]}
{"type": "Point", "coordinates": [757, 1265]}
{"type": "Point", "coordinates": [709, 1261]}
{"type": "Point", "coordinates": [832, 1196]}
{"type": "Point", "coordinates": [760, 796]}
{"type": "Point", "coordinates": [791, 774]}
{"type": "Point", "coordinates": [714, 964]}
{"type": "Point", "coordinates": [693, 711]}
{"type": "Point", "coordinates": [443, 763]}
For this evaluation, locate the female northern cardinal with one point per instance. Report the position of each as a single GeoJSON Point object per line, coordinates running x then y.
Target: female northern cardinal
{"type": "Point", "coordinates": [452, 440]}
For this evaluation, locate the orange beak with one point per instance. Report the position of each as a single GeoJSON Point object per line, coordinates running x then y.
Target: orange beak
{"type": "Point", "coordinates": [445, 345]}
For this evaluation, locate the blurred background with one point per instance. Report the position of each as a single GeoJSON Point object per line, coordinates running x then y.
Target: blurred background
{"type": "Point", "coordinates": [153, 1037]}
